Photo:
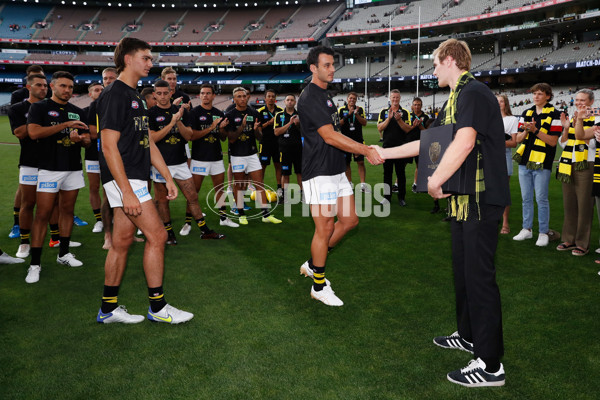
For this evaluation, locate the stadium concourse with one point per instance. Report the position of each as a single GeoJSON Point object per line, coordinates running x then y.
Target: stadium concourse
{"type": "Point", "coordinates": [254, 318]}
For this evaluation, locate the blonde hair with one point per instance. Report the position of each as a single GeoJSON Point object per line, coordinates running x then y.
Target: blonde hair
{"type": "Point", "coordinates": [458, 50]}
{"type": "Point", "coordinates": [166, 71]}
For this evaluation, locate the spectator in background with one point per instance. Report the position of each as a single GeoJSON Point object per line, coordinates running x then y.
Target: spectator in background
{"type": "Point", "coordinates": [539, 129]}
{"type": "Point", "coordinates": [511, 126]}
{"type": "Point", "coordinates": [575, 171]}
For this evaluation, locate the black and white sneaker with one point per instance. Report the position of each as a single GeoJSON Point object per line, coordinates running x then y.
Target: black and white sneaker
{"type": "Point", "coordinates": [475, 375]}
{"type": "Point", "coordinates": [453, 341]}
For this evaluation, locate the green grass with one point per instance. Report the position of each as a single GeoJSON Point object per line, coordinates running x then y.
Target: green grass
{"type": "Point", "coordinates": [258, 335]}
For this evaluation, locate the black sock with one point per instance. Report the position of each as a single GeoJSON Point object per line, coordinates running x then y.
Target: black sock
{"type": "Point", "coordinates": [36, 255]}
{"type": "Point", "coordinates": [168, 227]}
{"type": "Point", "coordinates": [97, 214]}
{"type": "Point", "coordinates": [25, 235]}
{"type": "Point", "coordinates": [279, 186]}
{"type": "Point", "coordinates": [109, 298]}
{"type": "Point", "coordinates": [222, 213]}
{"type": "Point", "coordinates": [64, 245]}
{"type": "Point", "coordinates": [492, 365]}
{"type": "Point", "coordinates": [202, 225]}
{"type": "Point", "coordinates": [157, 298]}
{"type": "Point", "coordinates": [16, 211]}
{"type": "Point", "coordinates": [265, 212]}
{"type": "Point", "coordinates": [241, 211]}
{"type": "Point", "coordinates": [329, 249]}
{"type": "Point", "coordinates": [318, 278]}
{"type": "Point", "coordinates": [188, 218]}
{"type": "Point", "coordinates": [54, 233]}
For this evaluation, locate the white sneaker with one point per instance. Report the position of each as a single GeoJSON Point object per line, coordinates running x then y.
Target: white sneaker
{"type": "Point", "coordinates": [23, 251]}
{"type": "Point", "coordinates": [597, 250]}
{"type": "Point", "coordinates": [229, 223]}
{"type": "Point", "coordinates": [185, 229]}
{"type": "Point", "coordinates": [69, 259]}
{"type": "Point", "coordinates": [74, 244]}
{"type": "Point", "coordinates": [119, 314]}
{"type": "Point", "coordinates": [365, 188]}
{"type": "Point", "coordinates": [98, 227]}
{"type": "Point", "coordinates": [6, 259]}
{"type": "Point", "coordinates": [170, 315]}
{"type": "Point", "coordinates": [139, 232]}
{"type": "Point", "coordinates": [542, 240]}
{"type": "Point", "coordinates": [326, 296]}
{"type": "Point", "coordinates": [524, 234]}
{"type": "Point", "coordinates": [33, 274]}
{"type": "Point", "coordinates": [309, 273]}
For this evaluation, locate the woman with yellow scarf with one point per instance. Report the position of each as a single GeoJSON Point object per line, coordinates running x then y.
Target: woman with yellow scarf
{"type": "Point", "coordinates": [575, 171]}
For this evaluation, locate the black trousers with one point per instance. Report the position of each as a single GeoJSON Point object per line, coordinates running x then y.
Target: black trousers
{"type": "Point", "coordinates": [478, 310]}
{"type": "Point", "coordinates": [388, 174]}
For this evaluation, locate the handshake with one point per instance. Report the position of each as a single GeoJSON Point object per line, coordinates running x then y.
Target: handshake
{"type": "Point", "coordinates": [375, 155]}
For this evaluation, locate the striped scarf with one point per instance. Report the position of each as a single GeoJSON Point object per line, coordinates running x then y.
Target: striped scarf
{"type": "Point", "coordinates": [538, 151]}
{"type": "Point", "coordinates": [596, 184]}
{"type": "Point", "coordinates": [459, 205]}
{"type": "Point", "coordinates": [567, 165]}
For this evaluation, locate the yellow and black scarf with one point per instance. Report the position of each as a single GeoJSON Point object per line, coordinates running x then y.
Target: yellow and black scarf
{"type": "Point", "coordinates": [596, 184]}
{"type": "Point", "coordinates": [459, 205]}
{"type": "Point", "coordinates": [538, 151]}
{"type": "Point", "coordinates": [567, 165]}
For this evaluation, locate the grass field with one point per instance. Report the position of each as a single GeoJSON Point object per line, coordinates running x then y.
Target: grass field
{"type": "Point", "coordinates": [257, 334]}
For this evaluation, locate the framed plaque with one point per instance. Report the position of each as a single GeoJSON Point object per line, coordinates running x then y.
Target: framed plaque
{"type": "Point", "coordinates": [434, 143]}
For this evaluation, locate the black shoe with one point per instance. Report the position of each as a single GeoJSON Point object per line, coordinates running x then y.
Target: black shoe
{"type": "Point", "coordinates": [475, 375]}
{"type": "Point", "coordinates": [212, 235]}
{"type": "Point", "coordinates": [381, 139]}
{"type": "Point", "coordinates": [402, 202]}
{"type": "Point", "coordinates": [414, 188]}
{"type": "Point", "coordinates": [447, 219]}
{"type": "Point", "coordinates": [453, 341]}
{"type": "Point", "coordinates": [171, 239]}
{"type": "Point", "coordinates": [435, 210]}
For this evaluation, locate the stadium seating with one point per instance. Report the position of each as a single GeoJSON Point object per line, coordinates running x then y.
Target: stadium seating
{"type": "Point", "coordinates": [574, 52]}
{"type": "Point", "coordinates": [289, 55]}
{"type": "Point", "coordinates": [154, 24]}
{"type": "Point", "coordinates": [12, 56]}
{"type": "Point", "coordinates": [110, 24]}
{"type": "Point", "coordinates": [253, 58]}
{"type": "Point", "coordinates": [234, 22]}
{"type": "Point", "coordinates": [194, 23]}
{"type": "Point", "coordinates": [49, 57]}
{"type": "Point", "coordinates": [22, 16]}
{"type": "Point", "coordinates": [305, 21]}
{"type": "Point", "coordinates": [270, 22]}
{"type": "Point", "coordinates": [65, 22]}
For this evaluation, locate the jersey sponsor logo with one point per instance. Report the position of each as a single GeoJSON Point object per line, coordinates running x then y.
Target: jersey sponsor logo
{"type": "Point", "coordinates": [215, 117]}
{"type": "Point", "coordinates": [199, 169]}
{"type": "Point", "coordinates": [135, 105]}
{"type": "Point", "coordinates": [141, 192]}
{"type": "Point", "coordinates": [93, 167]}
{"type": "Point", "coordinates": [48, 185]}
{"type": "Point", "coordinates": [329, 103]}
{"type": "Point", "coordinates": [160, 119]}
{"type": "Point", "coordinates": [249, 118]}
{"type": "Point", "coordinates": [29, 178]}
{"type": "Point", "coordinates": [66, 141]}
{"type": "Point", "coordinates": [238, 167]}
{"type": "Point", "coordinates": [328, 196]}
{"type": "Point", "coordinates": [74, 116]}
{"type": "Point", "coordinates": [202, 118]}
{"type": "Point", "coordinates": [53, 113]}
{"type": "Point", "coordinates": [238, 119]}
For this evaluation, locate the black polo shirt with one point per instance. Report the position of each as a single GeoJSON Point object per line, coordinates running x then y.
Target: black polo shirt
{"type": "Point", "coordinates": [245, 145]}
{"type": "Point", "coordinates": [172, 145]}
{"type": "Point", "coordinates": [393, 135]}
{"type": "Point", "coordinates": [121, 108]}
{"type": "Point", "coordinates": [208, 147]}
{"type": "Point", "coordinates": [316, 109]}
{"type": "Point", "coordinates": [57, 152]}
{"type": "Point", "coordinates": [17, 116]}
